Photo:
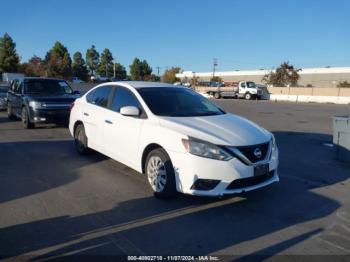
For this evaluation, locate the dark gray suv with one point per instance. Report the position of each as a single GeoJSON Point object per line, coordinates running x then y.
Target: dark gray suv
{"type": "Point", "coordinates": [40, 100]}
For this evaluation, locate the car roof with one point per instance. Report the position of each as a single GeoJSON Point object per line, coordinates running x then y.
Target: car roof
{"type": "Point", "coordinates": [145, 84]}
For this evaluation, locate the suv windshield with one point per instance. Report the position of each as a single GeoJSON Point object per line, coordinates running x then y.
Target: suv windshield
{"type": "Point", "coordinates": [175, 101]}
{"type": "Point", "coordinates": [47, 87]}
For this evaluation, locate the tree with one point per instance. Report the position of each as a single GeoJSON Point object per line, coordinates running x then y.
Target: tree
{"type": "Point", "coordinates": [9, 59]}
{"type": "Point", "coordinates": [284, 75]}
{"type": "Point", "coordinates": [216, 79]}
{"type": "Point", "coordinates": [34, 67]}
{"type": "Point", "coordinates": [120, 71]}
{"type": "Point", "coordinates": [58, 62]}
{"type": "Point", "coordinates": [106, 63]}
{"type": "Point", "coordinates": [344, 84]}
{"type": "Point", "coordinates": [92, 59]}
{"type": "Point", "coordinates": [169, 75]}
{"type": "Point", "coordinates": [140, 70]}
{"type": "Point", "coordinates": [79, 68]}
{"type": "Point", "coordinates": [152, 78]}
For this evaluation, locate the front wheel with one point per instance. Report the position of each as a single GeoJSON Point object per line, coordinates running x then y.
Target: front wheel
{"type": "Point", "coordinates": [217, 96]}
{"type": "Point", "coordinates": [160, 174]}
{"type": "Point", "coordinates": [25, 119]}
{"type": "Point", "coordinates": [248, 96]}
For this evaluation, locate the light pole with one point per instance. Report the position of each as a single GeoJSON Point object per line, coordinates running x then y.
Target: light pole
{"type": "Point", "coordinates": [215, 63]}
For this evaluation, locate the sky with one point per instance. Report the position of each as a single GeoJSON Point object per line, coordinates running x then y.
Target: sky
{"type": "Point", "coordinates": [240, 34]}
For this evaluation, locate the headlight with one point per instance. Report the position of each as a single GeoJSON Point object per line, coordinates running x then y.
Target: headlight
{"type": "Point", "coordinates": [36, 105]}
{"type": "Point", "coordinates": [273, 142]}
{"type": "Point", "coordinates": [204, 149]}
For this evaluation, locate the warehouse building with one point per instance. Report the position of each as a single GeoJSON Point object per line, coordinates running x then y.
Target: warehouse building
{"type": "Point", "coordinates": [316, 77]}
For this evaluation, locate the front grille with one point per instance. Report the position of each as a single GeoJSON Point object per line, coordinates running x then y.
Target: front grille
{"type": "Point", "coordinates": [57, 105]}
{"type": "Point", "coordinates": [250, 181]}
{"type": "Point", "coordinates": [248, 151]}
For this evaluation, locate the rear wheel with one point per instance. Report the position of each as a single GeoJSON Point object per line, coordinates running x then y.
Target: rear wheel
{"type": "Point", "coordinates": [10, 115]}
{"type": "Point", "coordinates": [160, 173]}
{"type": "Point", "coordinates": [80, 140]}
{"type": "Point", "coordinates": [25, 119]}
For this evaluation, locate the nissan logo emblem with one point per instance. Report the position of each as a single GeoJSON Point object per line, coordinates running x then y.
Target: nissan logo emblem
{"type": "Point", "coordinates": [257, 152]}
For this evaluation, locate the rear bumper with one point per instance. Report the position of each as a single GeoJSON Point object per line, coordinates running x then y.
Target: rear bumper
{"type": "Point", "coordinates": [46, 116]}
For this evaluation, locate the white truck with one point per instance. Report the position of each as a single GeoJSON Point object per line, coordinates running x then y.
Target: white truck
{"type": "Point", "coordinates": [244, 89]}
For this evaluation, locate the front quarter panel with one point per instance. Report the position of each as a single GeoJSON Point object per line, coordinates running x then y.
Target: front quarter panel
{"type": "Point", "coordinates": [154, 133]}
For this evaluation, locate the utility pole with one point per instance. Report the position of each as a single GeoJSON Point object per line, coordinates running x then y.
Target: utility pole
{"type": "Point", "coordinates": [158, 69]}
{"type": "Point", "coordinates": [215, 64]}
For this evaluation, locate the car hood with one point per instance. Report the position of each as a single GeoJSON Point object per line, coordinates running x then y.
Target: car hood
{"type": "Point", "coordinates": [53, 99]}
{"type": "Point", "coordinates": [226, 129]}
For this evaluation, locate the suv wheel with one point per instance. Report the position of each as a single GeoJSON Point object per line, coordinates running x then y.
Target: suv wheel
{"type": "Point", "coordinates": [10, 115]}
{"type": "Point", "coordinates": [217, 95]}
{"type": "Point", "coordinates": [25, 119]}
{"type": "Point", "coordinates": [80, 140]}
{"type": "Point", "coordinates": [248, 96]}
{"type": "Point", "coordinates": [160, 173]}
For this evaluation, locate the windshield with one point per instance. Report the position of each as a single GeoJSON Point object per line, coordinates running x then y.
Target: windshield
{"type": "Point", "coordinates": [175, 101]}
{"type": "Point", "coordinates": [47, 87]}
{"type": "Point", "coordinates": [251, 85]}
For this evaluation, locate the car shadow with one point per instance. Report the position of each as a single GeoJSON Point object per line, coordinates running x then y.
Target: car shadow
{"type": "Point", "coordinates": [193, 225]}
{"type": "Point", "coordinates": [27, 167]}
{"type": "Point", "coordinates": [5, 119]}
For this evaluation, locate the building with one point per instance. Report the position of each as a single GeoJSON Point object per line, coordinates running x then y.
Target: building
{"type": "Point", "coordinates": [316, 77]}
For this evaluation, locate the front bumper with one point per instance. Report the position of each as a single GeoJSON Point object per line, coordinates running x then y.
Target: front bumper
{"type": "Point", "coordinates": [189, 168]}
{"type": "Point", "coordinates": [46, 116]}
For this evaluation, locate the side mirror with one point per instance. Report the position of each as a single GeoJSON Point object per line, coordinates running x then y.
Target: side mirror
{"type": "Point", "coordinates": [76, 92]}
{"type": "Point", "coordinates": [129, 111]}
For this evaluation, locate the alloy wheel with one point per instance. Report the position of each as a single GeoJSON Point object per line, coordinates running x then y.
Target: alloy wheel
{"type": "Point", "coordinates": [156, 173]}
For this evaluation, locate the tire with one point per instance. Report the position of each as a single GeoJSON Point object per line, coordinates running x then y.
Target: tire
{"type": "Point", "coordinates": [248, 96]}
{"type": "Point", "coordinates": [217, 96]}
{"type": "Point", "coordinates": [10, 115]}
{"type": "Point", "coordinates": [80, 140]}
{"type": "Point", "coordinates": [160, 174]}
{"type": "Point", "coordinates": [25, 119]}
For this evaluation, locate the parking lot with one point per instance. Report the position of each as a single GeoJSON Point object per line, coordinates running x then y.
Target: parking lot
{"type": "Point", "coordinates": [54, 202]}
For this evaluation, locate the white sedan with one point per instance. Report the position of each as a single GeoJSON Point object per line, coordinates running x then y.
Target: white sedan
{"type": "Point", "coordinates": [179, 139]}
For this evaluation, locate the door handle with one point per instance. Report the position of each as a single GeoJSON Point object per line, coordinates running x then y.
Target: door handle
{"type": "Point", "coordinates": [108, 122]}
{"type": "Point", "coordinates": [86, 114]}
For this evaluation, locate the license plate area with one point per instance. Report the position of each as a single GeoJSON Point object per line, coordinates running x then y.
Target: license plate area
{"type": "Point", "coordinates": [261, 169]}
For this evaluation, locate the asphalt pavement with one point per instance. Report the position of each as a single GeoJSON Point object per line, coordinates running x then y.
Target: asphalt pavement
{"type": "Point", "coordinates": [55, 203]}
